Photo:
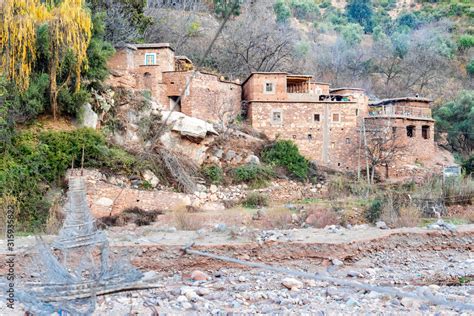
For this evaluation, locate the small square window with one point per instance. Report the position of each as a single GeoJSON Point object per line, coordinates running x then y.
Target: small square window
{"type": "Point", "coordinates": [333, 145]}
{"type": "Point", "coordinates": [317, 118]}
{"type": "Point", "coordinates": [357, 112]}
{"type": "Point", "coordinates": [335, 117]}
{"type": "Point", "coordinates": [276, 117]}
{"type": "Point", "coordinates": [348, 140]}
{"type": "Point", "coordinates": [269, 87]}
{"type": "Point", "coordinates": [310, 136]}
{"type": "Point", "coordinates": [150, 59]}
{"type": "Point", "coordinates": [294, 136]}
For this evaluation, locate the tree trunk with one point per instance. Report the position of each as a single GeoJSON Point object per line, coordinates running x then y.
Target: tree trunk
{"type": "Point", "coordinates": [53, 87]}
{"type": "Point", "coordinates": [372, 175]}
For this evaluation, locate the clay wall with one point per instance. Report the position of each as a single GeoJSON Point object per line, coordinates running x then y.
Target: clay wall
{"type": "Point", "coordinates": [415, 151]}
{"type": "Point", "coordinates": [331, 141]}
{"type": "Point", "coordinates": [207, 98]}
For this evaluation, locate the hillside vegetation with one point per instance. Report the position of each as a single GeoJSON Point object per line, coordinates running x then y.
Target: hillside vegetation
{"type": "Point", "coordinates": [54, 55]}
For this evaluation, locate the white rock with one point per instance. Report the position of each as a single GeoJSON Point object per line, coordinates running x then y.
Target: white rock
{"type": "Point", "coordinates": [189, 126]}
{"type": "Point", "coordinates": [213, 188]}
{"type": "Point", "coordinates": [151, 178]}
{"type": "Point", "coordinates": [292, 284]}
{"type": "Point", "coordinates": [252, 159]}
{"type": "Point", "coordinates": [381, 225]}
{"type": "Point", "coordinates": [103, 201]}
{"type": "Point", "coordinates": [89, 117]}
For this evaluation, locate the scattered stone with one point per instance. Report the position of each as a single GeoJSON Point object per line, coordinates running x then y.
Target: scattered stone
{"type": "Point", "coordinates": [229, 155]}
{"type": "Point", "coordinates": [197, 275]}
{"type": "Point", "coordinates": [213, 188]}
{"type": "Point", "coordinates": [337, 262]}
{"type": "Point", "coordinates": [151, 178]}
{"type": "Point", "coordinates": [355, 274]}
{"type": "Point", "coordinates": [381, 225]}
{"type": "Point", "coordinates": [252, 159]}
{"type": "Point", "coordinates": [292, 284]}
{"type": "Point", "coordinates": [220, 227]}
{"type": "Point", "coordinates": [352, 302]}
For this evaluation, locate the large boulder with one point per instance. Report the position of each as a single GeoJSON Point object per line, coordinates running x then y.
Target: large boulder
{"type": "Point", "coordinates": [188, 126]}
{"type": "Point", "coordinates": [89, 117]}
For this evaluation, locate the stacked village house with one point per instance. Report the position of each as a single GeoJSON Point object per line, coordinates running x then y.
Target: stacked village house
{"type": "Point", "coordinates": [330, 126]}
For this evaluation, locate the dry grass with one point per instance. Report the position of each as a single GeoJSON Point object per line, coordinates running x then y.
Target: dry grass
{"type": "Point", "coordinates": [321, 217]}
{"type": "Point", "coordinates": [184, 220]}
{"type": "Point", "coordinates": [55, 219]}
{"type": "Point", "coordinates": [133, 215]}
{"type": "Point", "coordinates": [277, 218]}
{"type": "Point", "coordinates": [407, 216]}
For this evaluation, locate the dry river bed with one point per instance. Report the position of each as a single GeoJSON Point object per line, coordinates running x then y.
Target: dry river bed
{"type": "Point", "coordinates": [414, 260]}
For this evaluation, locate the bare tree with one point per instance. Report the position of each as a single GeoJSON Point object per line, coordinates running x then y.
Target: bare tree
{"type": "Point", "coordinates": [384, 144]}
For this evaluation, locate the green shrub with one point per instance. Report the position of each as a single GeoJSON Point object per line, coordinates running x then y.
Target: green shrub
{"type": "Point", "coordinates": [282, 11]}
{"type": "Point", "coordinates": [285, 153]}
{"type": "Point", "coordinates": [37, 161]}
{"type": "Point", "coordinates": [466, 41]}
{"type": "Point", "coordinates": [468, 165]}
{"type": "Point", "coordinates": [374, 211]}
{"type": "Point", "coordinates": [213, 174]}
{"type": "Point", "coordinates": [470, 68]}
{"type": "Point", "coordinates": [256, 176]}
{"type": "Point", "coordinates": [255, 200]}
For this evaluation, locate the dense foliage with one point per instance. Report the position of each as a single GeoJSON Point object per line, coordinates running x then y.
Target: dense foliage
{"type": "Point", "coordinates": [285, 153]}
{"type": "Point", "coordinates": [456, 120]}
{"type": "Point", "coordinates": [37, 161]}
{"type": "Point", "coordinates": [213, 174]}
{"type": "Point", "coordinates": [254, 175]}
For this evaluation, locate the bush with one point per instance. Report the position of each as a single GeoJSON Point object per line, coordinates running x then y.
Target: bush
{"type": "Point", "coordinates": [38, 161]}
{"type": "Point", "coordinates": [255, 200]}
{"type": "Point", "coordinates": [252, 174]}
{"type": "Point", "coordinates": [468, 165]}
{"type": "Point", "coordinates": [285, 153]}
{"type": "Point", "coordinates": [374, 211]}
{"type": "Point", "coordinates": [466, 41]}
{"type": "Point", "coordinates": [282, 11]}
{"type": "Point", "coordinates": [213, 174]}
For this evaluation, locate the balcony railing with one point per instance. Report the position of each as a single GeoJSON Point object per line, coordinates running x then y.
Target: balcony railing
{"type": "Point", "coordinates": [312, 97]}
{"type": "Point", "coordinates": [401, 111]}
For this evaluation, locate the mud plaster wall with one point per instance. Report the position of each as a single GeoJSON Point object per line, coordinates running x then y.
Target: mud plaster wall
{"type": "Point", "coordinates": [208, 98]}
{"type": "Point", "coordinates": [328, 141]}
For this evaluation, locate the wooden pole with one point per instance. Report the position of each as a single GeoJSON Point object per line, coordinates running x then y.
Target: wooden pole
{"type": "Point", "coordinates": [366, 154]}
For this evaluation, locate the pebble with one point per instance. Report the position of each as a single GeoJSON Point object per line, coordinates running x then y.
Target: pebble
{"type": "Point", "coordinates": [292, 284]}
{"type": "Point", "coordinates": [197, 275]}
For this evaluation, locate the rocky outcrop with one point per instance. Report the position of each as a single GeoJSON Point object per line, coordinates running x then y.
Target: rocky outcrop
{"type": "Point", "coordinates": [191, 127]}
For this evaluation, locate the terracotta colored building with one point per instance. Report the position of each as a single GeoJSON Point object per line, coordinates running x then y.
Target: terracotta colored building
{"type": "Point", "coordinates": [154, 67]}
{"type": "Point", "coordinates": [322, 122]}
{"type": "Point", "coordinates": [327, 124]}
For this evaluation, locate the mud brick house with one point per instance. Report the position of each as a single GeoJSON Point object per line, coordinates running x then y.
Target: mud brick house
{"type": "Point", "coordinates": [328, 125]}
{"type": "Point", "coordinates": [154, 67]}
{"type": "Point", "coordinates": [323, 123]}
{"type": "Point", "coordinates": [413, 126]}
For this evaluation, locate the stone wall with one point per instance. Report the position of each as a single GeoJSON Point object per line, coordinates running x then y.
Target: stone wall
{"type": "Point", "coordinates": [329, 141]}
{"type": "Point", "coordinates": [416, 152]}
{"type": "Point", "coordinates": [128, 69]}
{"type": "Point", "coordinates": [208, 97]}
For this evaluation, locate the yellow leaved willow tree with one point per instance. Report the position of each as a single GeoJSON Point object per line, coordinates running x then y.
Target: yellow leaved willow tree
{"type": "Point", "coordinates": [70, 30]}
{"type": "Point", "coordinates": [18, 21]}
